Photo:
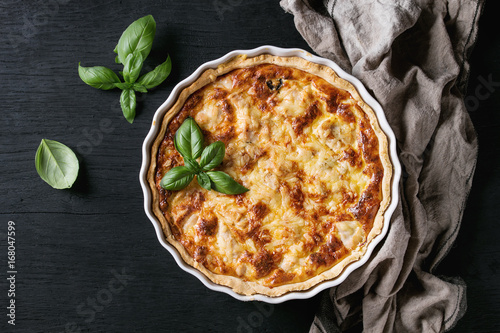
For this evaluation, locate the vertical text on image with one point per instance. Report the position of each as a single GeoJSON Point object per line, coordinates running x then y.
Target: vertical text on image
{"type": "Point", "coordinates": [11, 272]}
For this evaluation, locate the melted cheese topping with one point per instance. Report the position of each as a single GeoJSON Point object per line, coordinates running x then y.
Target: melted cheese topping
{"type": "Point", "coordinates": [309, 156]}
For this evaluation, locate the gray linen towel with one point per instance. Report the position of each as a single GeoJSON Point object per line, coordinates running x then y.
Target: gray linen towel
{"type": "Point", "coordinates": [412, 56]}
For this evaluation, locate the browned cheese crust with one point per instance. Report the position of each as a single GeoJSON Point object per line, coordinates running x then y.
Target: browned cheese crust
{"type": "Point", "coordinates": [313, 156]}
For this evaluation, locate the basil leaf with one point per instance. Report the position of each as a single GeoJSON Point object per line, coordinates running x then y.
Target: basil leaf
{"type": "Point", "coordinates": [56, 164]}
{"type": "Point", "coordinates": [157, 75]}
{"type": "Point", "coordinates": [188, 139]}
{"type": "Point", "coordinates": [222, 182]}
{"type": "Point", "coordinates": [128, 103]}
{"type": "Point", "coordinates": [140, 88]}
{"type": "Point", "coordinates": [192, 165]}
{"type": "Point", "coordinates": [177, 178]}
{"type": "Point", "coordinates": [204, 181]}
{"type": "Point", "coordinates": [132, 67]}
{"type": "Point", "coordinates": [98, 77]}
{"type": "Point", "coordinates": [212, 155]}
{"type": "Point", "coordinates": [137, 37]}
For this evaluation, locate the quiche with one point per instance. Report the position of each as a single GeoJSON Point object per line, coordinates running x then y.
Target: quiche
{"type": "Point", "coordinates": [311, 153]}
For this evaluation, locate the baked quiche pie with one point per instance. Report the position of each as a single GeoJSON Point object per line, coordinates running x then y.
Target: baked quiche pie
{"type": "Point", "coordinates": [311, 153]}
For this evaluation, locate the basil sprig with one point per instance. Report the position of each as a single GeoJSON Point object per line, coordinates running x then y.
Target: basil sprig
{"type": "Point", "coordinates": [188, 141]}
{"type": "Point", "coordinates": [132, 49]}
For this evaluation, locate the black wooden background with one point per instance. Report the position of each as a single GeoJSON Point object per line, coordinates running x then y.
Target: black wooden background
{"type": "Point", "coordinates": [87, 258]}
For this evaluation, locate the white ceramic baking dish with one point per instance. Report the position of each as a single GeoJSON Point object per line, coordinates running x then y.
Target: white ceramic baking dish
{"type": "Point", "coordinates": [156, 123]}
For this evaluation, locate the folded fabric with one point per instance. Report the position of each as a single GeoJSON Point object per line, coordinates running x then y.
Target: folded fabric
{"type": "Point", "coordinates": [412, 56]}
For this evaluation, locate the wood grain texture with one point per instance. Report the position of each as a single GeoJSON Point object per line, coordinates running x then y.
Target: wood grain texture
{"type": "Point", "coordinates": [74, 245]}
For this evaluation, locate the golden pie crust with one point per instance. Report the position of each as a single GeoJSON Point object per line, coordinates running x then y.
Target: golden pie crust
{"type": "Point", "coordinates": [311, 153]}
